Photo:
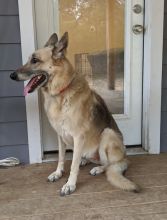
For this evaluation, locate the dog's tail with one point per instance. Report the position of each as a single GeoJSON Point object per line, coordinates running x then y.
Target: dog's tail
{"type": "Point", "coordinates": [112, 150]}
{"type": "Point", "coordinates": [115, 176]}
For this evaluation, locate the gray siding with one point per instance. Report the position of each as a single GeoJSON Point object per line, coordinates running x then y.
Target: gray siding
{"type": "Point", "coordinates": [10, 56]}
{"type": "Point", "coordinates": [164, 88]}
{"type": "Point", "coordinates": [13, 125]}
{"type": "Point", "coordinates": [9, 7]}
{"type": "Point", "coordinates": [9, 26]}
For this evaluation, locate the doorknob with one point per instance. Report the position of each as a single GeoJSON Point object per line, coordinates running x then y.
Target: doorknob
{"type": "Point", "coordinates": [137, 29]}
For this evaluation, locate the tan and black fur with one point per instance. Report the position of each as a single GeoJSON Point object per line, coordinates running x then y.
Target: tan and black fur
{"type": "Point", "coordinates": [79, 116]}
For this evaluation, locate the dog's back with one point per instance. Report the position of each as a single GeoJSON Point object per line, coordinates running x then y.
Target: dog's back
{"type": "Point", "coordinates": [102, 116]}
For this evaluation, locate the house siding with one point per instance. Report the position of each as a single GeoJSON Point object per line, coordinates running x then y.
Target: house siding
{"type": "Point", "coordinates": [13, 124]}
{"type": "Point", "coordinates": [164, 88]}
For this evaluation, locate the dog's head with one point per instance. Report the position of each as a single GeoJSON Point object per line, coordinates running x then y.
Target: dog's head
{"type": "Point", "coordinates": [44, 64]}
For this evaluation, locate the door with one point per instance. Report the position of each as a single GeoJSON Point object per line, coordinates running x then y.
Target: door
{"type": "Point", "coordinates": [105, 45]}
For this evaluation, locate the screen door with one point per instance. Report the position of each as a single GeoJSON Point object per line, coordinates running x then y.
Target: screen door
{"type": "Point", "coordinates": [106, 46]}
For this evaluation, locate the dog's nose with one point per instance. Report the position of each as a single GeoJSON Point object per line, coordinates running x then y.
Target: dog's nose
{"type": "Point", "coordinates": [13, 75]}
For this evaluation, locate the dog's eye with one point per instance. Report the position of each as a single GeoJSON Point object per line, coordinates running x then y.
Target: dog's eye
{"type": "Point", "coordinates": [34, 60]}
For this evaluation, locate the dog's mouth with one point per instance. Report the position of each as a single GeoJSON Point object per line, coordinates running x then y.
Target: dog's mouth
{"type": "Point", "coordinates": [36, 82]}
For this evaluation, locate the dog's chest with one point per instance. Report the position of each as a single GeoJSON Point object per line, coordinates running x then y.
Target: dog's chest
{"type": "Point", "coordinates": [57, 111]}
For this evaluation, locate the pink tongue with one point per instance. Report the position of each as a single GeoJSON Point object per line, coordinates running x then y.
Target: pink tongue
{"type": "Point", "coordinates": [27, 88]}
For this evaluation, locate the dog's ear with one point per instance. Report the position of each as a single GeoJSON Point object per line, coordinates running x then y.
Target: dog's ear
{"type": "Point", "coordinates": [61, 46]}
{"type": "Point", "coordinates": [52, 41]}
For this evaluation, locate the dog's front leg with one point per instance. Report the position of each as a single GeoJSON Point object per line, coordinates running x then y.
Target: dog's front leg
{"type": "Point", "coordinates": [60, 167]}
{"type": "Point", "coordinates": [70, 186]}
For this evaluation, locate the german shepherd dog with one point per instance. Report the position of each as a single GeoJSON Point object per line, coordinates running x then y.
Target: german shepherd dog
{"type": "Point", "coordinates": [78, 114]}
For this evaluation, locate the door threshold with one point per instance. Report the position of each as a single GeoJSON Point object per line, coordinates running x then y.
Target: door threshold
{"type": "Point", "coordinates": [53, 156]}
{"type": "Point", "coordinates": [135, 151]}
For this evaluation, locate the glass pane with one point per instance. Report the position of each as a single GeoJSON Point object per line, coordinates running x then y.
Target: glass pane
{"type": "Point", "coordinates": [96, 45]}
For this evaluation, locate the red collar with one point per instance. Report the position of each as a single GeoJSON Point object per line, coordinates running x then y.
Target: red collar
{"type": "Point", "coordinates": [65, 88]}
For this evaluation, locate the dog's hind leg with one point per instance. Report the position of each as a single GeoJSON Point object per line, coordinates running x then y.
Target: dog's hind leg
{"type": "Point", "coordinates": [60, 167]}
{"type": "Point", "coordinates": [117, 163]}
{"type": "Point", "coordinates": [103, 161]}
{"type": "Point", "coordinates": [84, 161]}
{"type": "Point", "coordinates": [97, 170]}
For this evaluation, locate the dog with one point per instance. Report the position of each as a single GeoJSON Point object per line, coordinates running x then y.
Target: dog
{"type": "Point", "coordinates": [78, 115]}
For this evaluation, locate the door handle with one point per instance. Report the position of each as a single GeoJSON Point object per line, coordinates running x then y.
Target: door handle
{"type": "Point", "coordinates": [138, 29]}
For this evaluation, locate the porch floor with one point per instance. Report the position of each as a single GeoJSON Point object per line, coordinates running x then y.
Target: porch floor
{"type": "Point", "coordinates": [26, 195]}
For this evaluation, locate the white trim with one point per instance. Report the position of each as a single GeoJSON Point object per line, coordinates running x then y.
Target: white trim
{"type": "Point", "coordinates": [152, 77]}
{"type": "Point", "coordinates": [55, 6]}
{"type": "Point", "coordinates": [153, 51]}
{"type": "Point", "coordinates": [27, 31]}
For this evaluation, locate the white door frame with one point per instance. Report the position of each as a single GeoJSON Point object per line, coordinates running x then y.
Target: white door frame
{"type": "Point", "coordinates": [153, 56]}
{"type": "Point", "coordinates": [28, 45]}
{"type": "Point", "coordinates": [153, 47]}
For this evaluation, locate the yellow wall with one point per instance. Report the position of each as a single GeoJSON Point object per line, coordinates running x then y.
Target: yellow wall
{"type": "Point", "coordinates": [89, 23]}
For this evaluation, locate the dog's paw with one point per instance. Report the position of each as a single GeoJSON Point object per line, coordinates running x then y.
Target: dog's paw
{"type": "Point", "coordinates": [96, 170]}
{"type": "Point", "coordinates": [67, 189]}
{"type": "Point", "coordinates": [55, 176]}
{"type": "Point", "coordinates": [84, 162]}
